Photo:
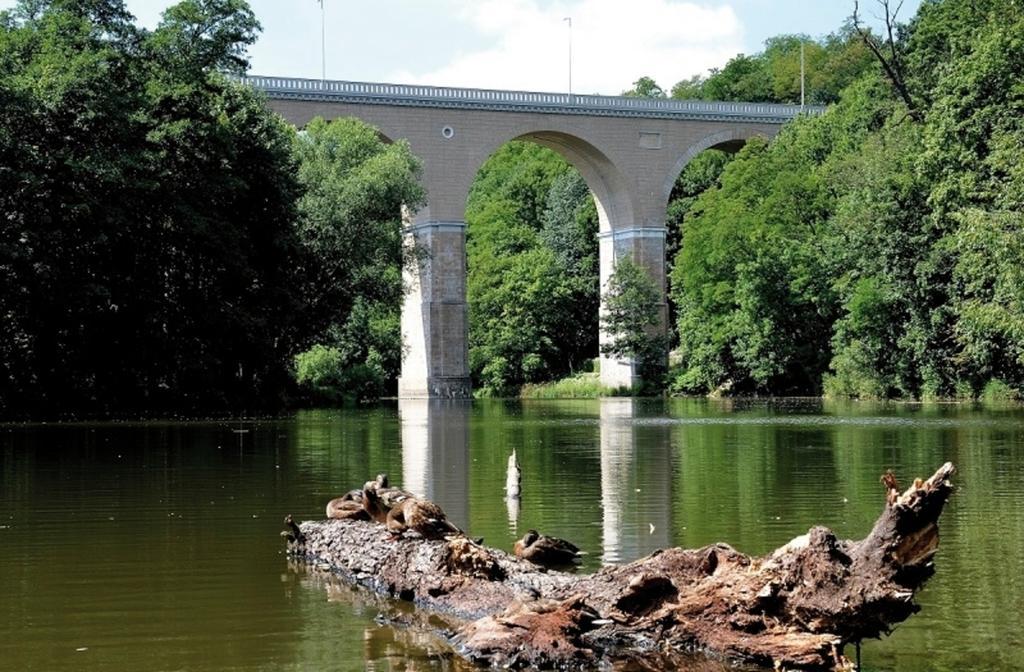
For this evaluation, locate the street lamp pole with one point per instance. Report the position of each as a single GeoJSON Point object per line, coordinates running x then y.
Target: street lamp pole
{"type": "Point", "coordinates": [323, 42]}
{"type": "Point", "coordinates": [802, 87]}
{"type": "Point", "coordinates": [569, 20]}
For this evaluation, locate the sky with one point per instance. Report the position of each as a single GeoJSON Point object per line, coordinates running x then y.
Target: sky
{"type": "Point", "coordinates": [520, 44]}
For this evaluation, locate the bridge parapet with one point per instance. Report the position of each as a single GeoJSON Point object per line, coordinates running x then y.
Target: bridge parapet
{"type": "Point", "coordinates": [415, 95]}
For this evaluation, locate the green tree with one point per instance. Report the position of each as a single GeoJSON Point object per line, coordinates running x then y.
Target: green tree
{"type": "Point", "coordinates": [205, 35]}
{"type": "Point", "coordinates": [532, 254]}
{"type": "Point", "coordinates": [879, 245]}
{"type": "Point", "coordinates": [570, 231]}
{"type": "Point", "coordinates": [632, 320]}
{"type": "Point", "coordinates": [752, 279]}
{"type": "Point", "coordinates": [569, 225]}
{"type": "Point", "coordinates": [349, 233]}
{"type": "Point", "coordinates": [701, 174]}
{"type": "Point", "coordinates": [868, 252]}
{"type": "Point", "coordinates": [831, 64]}
{"type": "Point", "coordinates": [743, 78]}
{"type": "Point", "coordinates": [688, 89]}
{"type": "Point", "coordinates": [988, 301]}
{"type": "Point", "coordinates": [146, 243]}
{"type": "Point", "coordinates": [645, 87]}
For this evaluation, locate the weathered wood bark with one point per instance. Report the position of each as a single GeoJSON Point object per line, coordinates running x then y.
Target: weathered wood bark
{"type": "Point", "coordinates": [794, 609]}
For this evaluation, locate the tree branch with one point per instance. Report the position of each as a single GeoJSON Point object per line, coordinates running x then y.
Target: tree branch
{"type": "Point", "coordinates": [893, 66]}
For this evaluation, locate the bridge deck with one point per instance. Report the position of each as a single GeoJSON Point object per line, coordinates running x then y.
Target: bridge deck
{"type": "Point", "coordinates": [406, 95]}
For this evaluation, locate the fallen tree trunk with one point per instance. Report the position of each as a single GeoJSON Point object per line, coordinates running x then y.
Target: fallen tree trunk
{"type": "Point", "coordinates": [797, 608]}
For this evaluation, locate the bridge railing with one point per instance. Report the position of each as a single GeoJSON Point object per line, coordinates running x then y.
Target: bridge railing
{"type": "Point", "coordinates": [444, 96]}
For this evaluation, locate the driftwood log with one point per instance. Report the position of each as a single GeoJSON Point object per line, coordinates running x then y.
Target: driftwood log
{"type": "Point", "coordinates": [797, 608]}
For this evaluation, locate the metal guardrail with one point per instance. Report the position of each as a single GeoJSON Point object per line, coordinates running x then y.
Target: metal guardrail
{"type": "Point", "coordinates": [411, 95]}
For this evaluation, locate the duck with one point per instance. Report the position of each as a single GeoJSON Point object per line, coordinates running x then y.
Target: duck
{"type": "Point", "coordinates": [373, 504]}
{"type": "Point", "coordinates": [356, 495]}
{"type": "Point", "coordinates": [546, 551]}
{"type": "Point", "coordinates": [392, 496]}
{"type": "Point", "coordinates": [421, 516]}
{"type": "Point", "coordinates": [340, 508]}
{"type": "Point", "coordinates": [347, 506]}
{"type": "Point", "coordinates": [892, 487]}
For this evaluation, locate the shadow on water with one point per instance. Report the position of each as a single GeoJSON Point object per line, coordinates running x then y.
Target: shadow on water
{"type": "Point", "coordinates": [154, 545]}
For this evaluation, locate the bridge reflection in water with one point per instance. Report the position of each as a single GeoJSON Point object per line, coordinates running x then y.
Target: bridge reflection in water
{"type": "Point", "coordinates": [435, 453]}
{"type": "Point", "coordinates": [636, 490]}
{"type": "Point", "coordinates": [636, 499]}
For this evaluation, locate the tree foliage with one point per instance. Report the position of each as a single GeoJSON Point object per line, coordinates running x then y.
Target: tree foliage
{"type": "Point", "coordinates": [147, 205]}
{"type": "Point", "coordinates": [831, 64]}
{"type": "Point", "coordinates": [645, 87]}
{"type": "Point", "coordinates": [631, 317]}
{"type": "Point", "coordinates": [349, 232]}
{"type": "Point", "coordinates": [166, 243]}
{"type": "Point", "coordinates": [871, 251]}
{"type": "Point", "coordinates": [532, 253]}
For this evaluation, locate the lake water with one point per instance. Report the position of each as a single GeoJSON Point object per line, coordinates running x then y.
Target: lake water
{"type": "Point", "coordinates": [154, 546]}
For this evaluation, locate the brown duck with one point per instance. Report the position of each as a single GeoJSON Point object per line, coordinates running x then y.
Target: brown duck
{"type": "Point", "coordinates": [373, 504]}
{"type": "Point", "coordinates": [350, 505]}
{"type": "Point", "coordinates": [547, 551]}
{"type": "Point", "coordinates": [340, 508]}
{"type": "Point", "coordinates": [421, 516]}
{"type": "Point", "coordinates": [357, 495]}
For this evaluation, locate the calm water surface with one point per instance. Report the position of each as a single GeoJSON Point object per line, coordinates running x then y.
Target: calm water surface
{"type": "Point", "coordinates": [154, 546]}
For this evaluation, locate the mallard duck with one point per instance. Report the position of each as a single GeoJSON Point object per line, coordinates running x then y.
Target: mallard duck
{"type": "Point", "coordinates": [357, 495]}
{"type": "Point", "coordinates": [348, 506]}
{"type": "Point", "coordinates": [392, 496]}
{"type": "Point", "coordinates": [373, 504]}
{"type": "Point", "coordinates": [547, 551]}
{"type": "Point", "coordinates": [421, 516]}
{"type": "Point", "coordinates": [341, 508]}
{"type": "Point", "coordinates": [892, 487]}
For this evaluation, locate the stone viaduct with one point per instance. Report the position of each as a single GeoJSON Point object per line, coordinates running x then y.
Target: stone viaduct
{"type": "Point", "coordinates": [629, 150]}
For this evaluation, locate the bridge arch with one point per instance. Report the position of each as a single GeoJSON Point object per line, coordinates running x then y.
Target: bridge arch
{"type": "Point", "coordinates": [616, 203]}
{"type": "Point", "coordinates": [727, 139]}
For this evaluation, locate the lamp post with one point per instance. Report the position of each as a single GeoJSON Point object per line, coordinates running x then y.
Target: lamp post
{"type": "Point", "coordinates": [323, 42]}
{"type": "Point", "coordinates": [802, 87]}
{"type": "Point", "coordinates": [568, 19]}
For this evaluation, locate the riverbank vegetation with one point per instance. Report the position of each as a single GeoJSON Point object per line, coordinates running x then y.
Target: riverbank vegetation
{"type": "Point", "coordinates": [584, 385]}
{"type": "Point", "coordinates": [533, 277]}
{"type": "Point", "coordinates": [874, 251]}
{"type": "Point", "coordinates": [167, 244]}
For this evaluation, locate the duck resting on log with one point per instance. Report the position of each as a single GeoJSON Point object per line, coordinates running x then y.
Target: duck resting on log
{"type": "Point", "coordinates": [546, 551]}
{"type": "Point", "coordinates": [350, 505]}
{"type": "Point", "coordinates": [798, 608]}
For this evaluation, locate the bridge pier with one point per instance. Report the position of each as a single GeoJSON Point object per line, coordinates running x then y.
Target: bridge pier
{"type": "Point", "coordinates": [646, 247]}
{"type": "Point", "coordinates": [435, 316]}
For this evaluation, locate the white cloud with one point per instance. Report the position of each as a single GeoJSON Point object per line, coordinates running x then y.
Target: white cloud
{"type": "Point", "coordinates": [614, 43]}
